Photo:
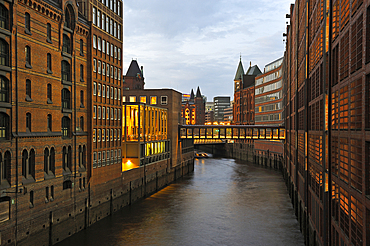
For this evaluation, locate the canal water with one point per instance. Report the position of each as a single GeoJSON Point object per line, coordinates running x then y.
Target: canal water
{"type": "Point", "coordinates": [224, 202]}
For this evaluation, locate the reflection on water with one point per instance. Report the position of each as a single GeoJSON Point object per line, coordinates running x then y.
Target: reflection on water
{"type": "Point", "coordinates": [224, 202]}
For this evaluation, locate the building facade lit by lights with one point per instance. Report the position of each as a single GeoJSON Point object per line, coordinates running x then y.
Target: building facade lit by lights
{"type": "Point", "coordinates": [150, 121]}
{"type": "Point", "coordinates": [193, 109]}
{"type": "Point", "coordinates": [145, 138]}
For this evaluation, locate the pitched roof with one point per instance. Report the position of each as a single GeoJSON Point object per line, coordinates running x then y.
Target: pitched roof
{"type": "Point", "coordinates": [198, 93]}
{"type": "Point", "coordinates": [134, 70]}
{"type": "Point", "coordinates": [192, 94]}
{"type": "Point", "coordinates": [253, 70]}
{"type": "Point", "coordinates": [240, 71]}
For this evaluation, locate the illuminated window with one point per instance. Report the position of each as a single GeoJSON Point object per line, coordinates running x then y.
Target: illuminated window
{"type": "Point", "coordinates": [143, 99]}
{"type": "Point", "coordinates": [153, 100]}
{"type": "Point", "coordinates": [132, 98]}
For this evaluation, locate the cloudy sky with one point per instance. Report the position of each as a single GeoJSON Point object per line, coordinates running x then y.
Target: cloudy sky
{"type": "Point", "coordinates": [185, 44]}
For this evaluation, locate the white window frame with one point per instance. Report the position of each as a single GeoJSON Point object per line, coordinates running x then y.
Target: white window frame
{"type": "Point", "coordinates": [99, 67]}
{"type": "Point", "coordinates": [103, 135]}
{"type": "Point", "coordinates": [107, 70]}
{"type": "Point", "coordinates": [111, 92]}
{"type": "Point", "coordinates": [99, 43]}
{"type": "Point", "coordinates": [103, 72]}
{"type": "Point", "coordinates": [111, 72]}
{"type": "Point", "coordinates": [115, 93]}
{"type": "Point", "coordinates": [99, 90]}
{"type": "Point", "coordinates": [103, 113]}
{"type": "Point", "coordinates": [94, 16]}
{"type": "Point", "coordinates": [99, 112]}
{"type": "Point", "coordinates": [103, 21]}
{"type": "Point", "coordinates": [119, 74]}
{"type": "Point", "coordinates": [111, 135]}
{"type": "Point", "coordinates": [111, 50]}
{"type": "Point", "coordinates": [108, 48]}
{"type": "Point", "coordinates": [94, 116]}
{"type": "Point", "coordinates": [108, 91]}
{"type": "Point", "coordinates": [94, 42]}
{"type": "Point", "coordinates": [94, 64]}
{"type": "Point", "coordinates": [94, 89]}
{"type": "Point", "coordinates": [94, 135]}
{"type": "Point", "coordinates": [119, 94]}
{"type": "Point", "coordinates": [108, 113]}
{"type": "Point", "coordinates": [107, 136]}
{"type": "Point", "coordinates": [111, 114]}
{"type": "Point", "coordinates": [103, 46]}
{"type": "Point", "coordinates": [98, 18]}
{"type": "Point", "coordinates": [99, 135]}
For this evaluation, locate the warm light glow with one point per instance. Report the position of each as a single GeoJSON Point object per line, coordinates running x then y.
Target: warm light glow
{"type": "Point", "coordinates": [128, 163]}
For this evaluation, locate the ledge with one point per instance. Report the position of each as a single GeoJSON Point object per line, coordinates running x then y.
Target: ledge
{"type": "Point", "coordinates": [66, 82]}
{"type": "Point", "coordinates": [5, 105]}
{"type": "Point", "coordinates": [5, 68]}
{"type": "Point", "coordinates": [37, 134]}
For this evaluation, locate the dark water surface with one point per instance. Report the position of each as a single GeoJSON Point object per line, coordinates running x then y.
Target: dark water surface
{"type": "Point", "coordinates": [224, 202]}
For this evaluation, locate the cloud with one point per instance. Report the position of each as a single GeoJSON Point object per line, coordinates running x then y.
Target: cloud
{"type": "Point", "coordinates": [183, 44]}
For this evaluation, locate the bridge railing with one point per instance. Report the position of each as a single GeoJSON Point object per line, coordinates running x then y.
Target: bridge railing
{"type": "Point", "coordinates": [232, 132]}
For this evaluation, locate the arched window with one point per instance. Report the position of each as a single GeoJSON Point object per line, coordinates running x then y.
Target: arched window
{"type": "Point", "coordinates": [66, 127]}
{"type": "Point", "coordinates": [66, 99]}
{"type": "Point", "coordinates": [69, 17]}
{"type": "Point", "coordinates": [50, 123]}
{"type": "Point", "coordinates": [4, 89]}
{"type": "Point", "coordinates": [46, 160]}
{"type": "Point", "coordinates": [64, 158]}
{"type": "Point", "coordinates": [81, 123]}
{"type": "Point", "coordinates": [4, 53]}
{"type": "Point", "coordinates": [27, 51]}
{"type": "Point", "coordinates": [80, 157]}
{"type": "Point", "coordinates": [49, 68]}
{"type": "Point", "coordinates": [4, 17]}
{"type": "Point", "coordinates": [24, 162]}
{"type": "Point", "coordinates": [66, 71]}
{"type": "Point", "coordinates": [5, 167]}
{"type": "Point", "coordinates": [69, 160]}
{"type": "Point", "coordinates": [52, 160]}
{"type": "Point", "coordinates": [27, 23]}
{"type": "Point", "coordinates": [28, 89]}
{"type": "Point", "coordinates": [81, 47]}
{"type": "Point", "coordinates": [31, 167]}
{"type": "Point", "coordinates": [49, 93]}
{"type": "Point", "coordinates": [48, 32]}
{"type": "Point", "coordinates": [84, 156]}
{"type": "Point", "coordinates": [28, 121]}
{"type": "Point", "coordinates": [66, 44]}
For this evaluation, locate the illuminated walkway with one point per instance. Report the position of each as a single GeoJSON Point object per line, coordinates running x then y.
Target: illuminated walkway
{"type": "Point", "coordinates": [232, 132]}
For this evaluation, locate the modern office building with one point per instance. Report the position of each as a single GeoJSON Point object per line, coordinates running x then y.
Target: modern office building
{"type": "Point", "coordinates": [220, 103]}
{"type": "Point", "coordinates": [327, 119]}
{"type": "Point", "coordinates": [243, 109]}
{"type": "Point", "coordinates": [268, 95]}
{"type": "Point", "coordinates": [269, 105]}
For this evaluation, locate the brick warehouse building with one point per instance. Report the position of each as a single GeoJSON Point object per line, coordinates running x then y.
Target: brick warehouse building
{"type": "Point", "coordinates": [60, 68]}
{"type": "Point", "coordinates": [327, 119]}
{"type": "Point", "coordinates": [193, 110]}
{"type": "Point", "coordinates": [243, 108]}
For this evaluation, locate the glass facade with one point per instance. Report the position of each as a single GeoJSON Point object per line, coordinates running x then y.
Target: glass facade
{"type": "Point", "coordinates": [144, 136]}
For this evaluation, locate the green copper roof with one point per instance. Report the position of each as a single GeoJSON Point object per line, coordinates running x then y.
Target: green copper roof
{"type": "Point", "coordinates": [240, 72]}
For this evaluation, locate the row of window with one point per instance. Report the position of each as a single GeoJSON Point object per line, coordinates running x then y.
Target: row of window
{"type": "Point", "coordinates": [115, 114]}
{"type": "Point", "coordinates": [106, 48]}
{"type": "Point", "coordinates": [269, 87]}
{"type": "Point", "coordinates": [143, 99]}
{"type": "Point", "coordinates": [103, 91]}
{"type": "Point", "coordinates": [66, 94]}
{"type": "Point", "coordinates": [99, 67]}
{"type": "Point", "coordinates": [103, 135]}
{"type": "Point", "coordinates": [101, 20]}
{"type": "Point", "coordinates": [106, 158]}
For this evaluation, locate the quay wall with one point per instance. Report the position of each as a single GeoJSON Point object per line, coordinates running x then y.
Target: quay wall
{"type": "Point", "coordinates": [86, 207]}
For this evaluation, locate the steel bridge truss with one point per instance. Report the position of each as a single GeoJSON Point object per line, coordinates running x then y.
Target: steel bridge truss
{"type": "Point", "coordinates": [232, 132]}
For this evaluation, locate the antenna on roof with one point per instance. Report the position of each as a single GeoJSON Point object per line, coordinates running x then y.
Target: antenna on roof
{"type": "Point", "coordinates": [240, 56]}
